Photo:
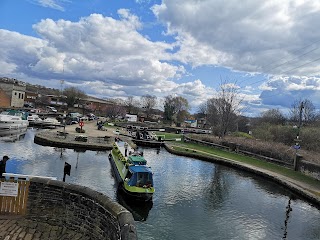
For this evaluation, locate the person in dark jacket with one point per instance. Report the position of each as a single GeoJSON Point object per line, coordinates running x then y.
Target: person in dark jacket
{"type": "Point", "coordinates": [3, 163]}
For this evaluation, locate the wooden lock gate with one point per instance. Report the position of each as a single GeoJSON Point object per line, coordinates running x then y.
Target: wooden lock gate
{"type": "Point", "coordinates": [14, 190]}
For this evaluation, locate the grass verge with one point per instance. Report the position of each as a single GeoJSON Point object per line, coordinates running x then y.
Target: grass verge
{"type": "Point", "coordinates": [209, 151]}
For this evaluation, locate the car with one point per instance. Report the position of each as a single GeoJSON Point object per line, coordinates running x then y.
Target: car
{"type": "Point", "coordinates": [84, 118]}
{"type": "Point", "coordinates": [91, 116]}
{"type": "Point", "coordinates": [28, 105]}
{"type": "Point", "coordinates": [51, 109]}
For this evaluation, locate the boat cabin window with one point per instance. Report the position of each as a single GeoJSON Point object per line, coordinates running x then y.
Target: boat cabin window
{"type": "Point", "coordinates": [144, 179]}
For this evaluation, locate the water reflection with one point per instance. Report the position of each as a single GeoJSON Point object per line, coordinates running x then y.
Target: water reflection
{"type": "Point", "coordinates": [13, 137]}
{"type": "Point", "coordinates": [139, 210]}
{"type": "Point", "coordinates": [288, 210]}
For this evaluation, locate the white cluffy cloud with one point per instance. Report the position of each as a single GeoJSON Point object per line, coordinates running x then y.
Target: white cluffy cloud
{"type": "Point", "coordinates": [277, 37]}
{"type": "Point", "coordinates": [108, 56]}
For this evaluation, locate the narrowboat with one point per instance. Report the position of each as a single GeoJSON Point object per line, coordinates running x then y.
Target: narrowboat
{"type": "Point", "coordinates": [132, 173]}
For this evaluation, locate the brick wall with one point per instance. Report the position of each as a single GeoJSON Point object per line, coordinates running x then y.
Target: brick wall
{"type": "Point", "coordinates": [80, 209]}
{"type": "Point", "coordinates": [4, 99]}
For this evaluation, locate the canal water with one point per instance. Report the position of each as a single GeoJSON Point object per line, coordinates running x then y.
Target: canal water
{"type": "Point", "coordinates": [193, 199]}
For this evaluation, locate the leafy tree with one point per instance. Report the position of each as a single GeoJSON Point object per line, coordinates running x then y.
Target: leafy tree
{"type": "Point", "coordinates": [174, 105]}
{"type": "Point", "coordinates": [182, 116]}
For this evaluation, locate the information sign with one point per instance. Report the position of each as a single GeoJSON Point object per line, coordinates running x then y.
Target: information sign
{"type": "Point", "coordinates": [9, 189]}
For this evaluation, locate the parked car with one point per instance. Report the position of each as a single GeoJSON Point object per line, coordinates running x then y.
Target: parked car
{"type": "Point", "coordinates": [72, 120]}
{"type": "Point", "coordinates": [51, 109]}
{"type": "Point", "coordinates": [91, 116]}
{"type": "Point", "coordinates": [28, 105]}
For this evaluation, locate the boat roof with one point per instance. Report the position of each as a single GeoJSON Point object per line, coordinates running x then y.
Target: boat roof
{"type": "Point", "coordinates": [137, 160]}
{"type": "Point", "coordinates": [139, 168]}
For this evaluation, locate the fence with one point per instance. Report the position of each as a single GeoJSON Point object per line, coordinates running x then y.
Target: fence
{"type": "Point", "coordinates": [14, 191]}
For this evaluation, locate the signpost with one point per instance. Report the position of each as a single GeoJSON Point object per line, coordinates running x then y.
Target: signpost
{"type": "Point", "coordinates": [81, 124]}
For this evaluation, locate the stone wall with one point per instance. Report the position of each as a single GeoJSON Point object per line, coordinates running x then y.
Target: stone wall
{"type": "Point", "coordinates": [80, 209]}
{"type": "Point", "coordinates": [309, 169]}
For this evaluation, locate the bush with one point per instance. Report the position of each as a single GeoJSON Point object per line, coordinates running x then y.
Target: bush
{"type": "Point", "coordinates": [271, 149]}
{"type": "Point", "coordinates": [79, 130]}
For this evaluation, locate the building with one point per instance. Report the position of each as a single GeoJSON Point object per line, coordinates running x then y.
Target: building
{"type": "Point", "coordinates": [12, 92]}
{"type": "Point", "coordinates": [131, 118]}
{"type": "Point", "coordinates": [30, 98]}
{"type": "Point", "coordinates": [191, 123]}
{"type": "Point", "coordinates": [4, 99]}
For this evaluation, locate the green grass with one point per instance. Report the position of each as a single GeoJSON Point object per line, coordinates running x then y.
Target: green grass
{"type": "Point", "coordinates": [207, 151]}
{"type": "Point", "coordinates": [169, 135]}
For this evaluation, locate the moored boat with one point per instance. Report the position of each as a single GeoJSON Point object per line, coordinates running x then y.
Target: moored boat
{"type": "Point", "coordinates": [132, 172]}
{"type": "Point", "coordinates": [13, 122]}
{"type": "Point", "coordinates": [34, 119]}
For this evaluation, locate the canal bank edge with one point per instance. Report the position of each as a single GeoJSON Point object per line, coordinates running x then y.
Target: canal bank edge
{"type": "Point", "coordinates": [50, 138]}
{"type": "Point", "coordinates": [79, 208]}
{"type": "Point", "coordinates": [304, 190]}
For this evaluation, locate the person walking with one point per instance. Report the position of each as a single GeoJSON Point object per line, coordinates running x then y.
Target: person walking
{"type": "Point", "coordinates": [3, 163]}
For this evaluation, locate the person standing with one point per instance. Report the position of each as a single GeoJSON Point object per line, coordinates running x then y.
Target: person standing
{"type": "Point", "coordinates": [126, 149]}
{"type": "Point", "coordinates": [3, 163]}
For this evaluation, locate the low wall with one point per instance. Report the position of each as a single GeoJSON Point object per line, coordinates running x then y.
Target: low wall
{"type": "Point", "coordinates": [309, 169]}
{"type": "Point", "coordinates": [79, 208]}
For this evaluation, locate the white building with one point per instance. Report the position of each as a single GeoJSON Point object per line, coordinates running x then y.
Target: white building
{"type": "Point", "coordinates": [131, 118]}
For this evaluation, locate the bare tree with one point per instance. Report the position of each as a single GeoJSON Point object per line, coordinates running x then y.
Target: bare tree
{"type": "Point", "coordinates": [222, 111]}
{"type": "Point", "coordinates": [115, 111]}
{"type": "Point", "coordinates": [304, 107]}
{"type": "Point", "coordinates": [202, 110]}
{"type": "Point", "coordinates": [273, 116]}
{"type": "Point", "coordinates": [131, 105]}
{"type": "Point", "coordinates": [74, 95]}
{"type": "Point", "coordinates": [148, 103]}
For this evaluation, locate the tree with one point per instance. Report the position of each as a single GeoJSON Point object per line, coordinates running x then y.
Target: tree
{"type": "Point", "coordinates": [148, 103]}
{"type": "Point", "coordinates": [115, 111]}
{"type": "Point", "coordinates": [202, 110]}
{"type": "Point", "coordinates": [222, 111]}
{"type": "Point", "coordinates": [41, 100]}
{"type": "Point", "coordinates": [74, 96]}
{"type": "Point", "coordinates": [131, 105]}
{"type": "Point", "coordinates": [307, 109]}
{"type": "Point", "coordinates": [174, 105]}
{"type": "Point", "coordinates": [273, 116]}
{"type": "Point", "coordinates": [182, 116]}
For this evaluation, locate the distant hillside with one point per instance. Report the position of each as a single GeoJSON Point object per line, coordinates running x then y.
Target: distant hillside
{"type": "Point", "coordinates": [30, 87]}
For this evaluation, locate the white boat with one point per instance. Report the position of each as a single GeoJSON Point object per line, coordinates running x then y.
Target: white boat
{"type": "Point", "coordinates": [50, 122]}
{"type": "Point", "coordinates": [13, 122]}
{"type": "Point", "coordinates": [34, 119]}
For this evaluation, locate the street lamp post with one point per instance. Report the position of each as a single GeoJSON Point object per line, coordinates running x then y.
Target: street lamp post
{"type": "Point", "coordinates": [297, 145]}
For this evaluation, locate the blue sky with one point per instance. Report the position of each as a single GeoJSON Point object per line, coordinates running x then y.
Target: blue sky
{"type": "Point", "coordinates": [115, 49]}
